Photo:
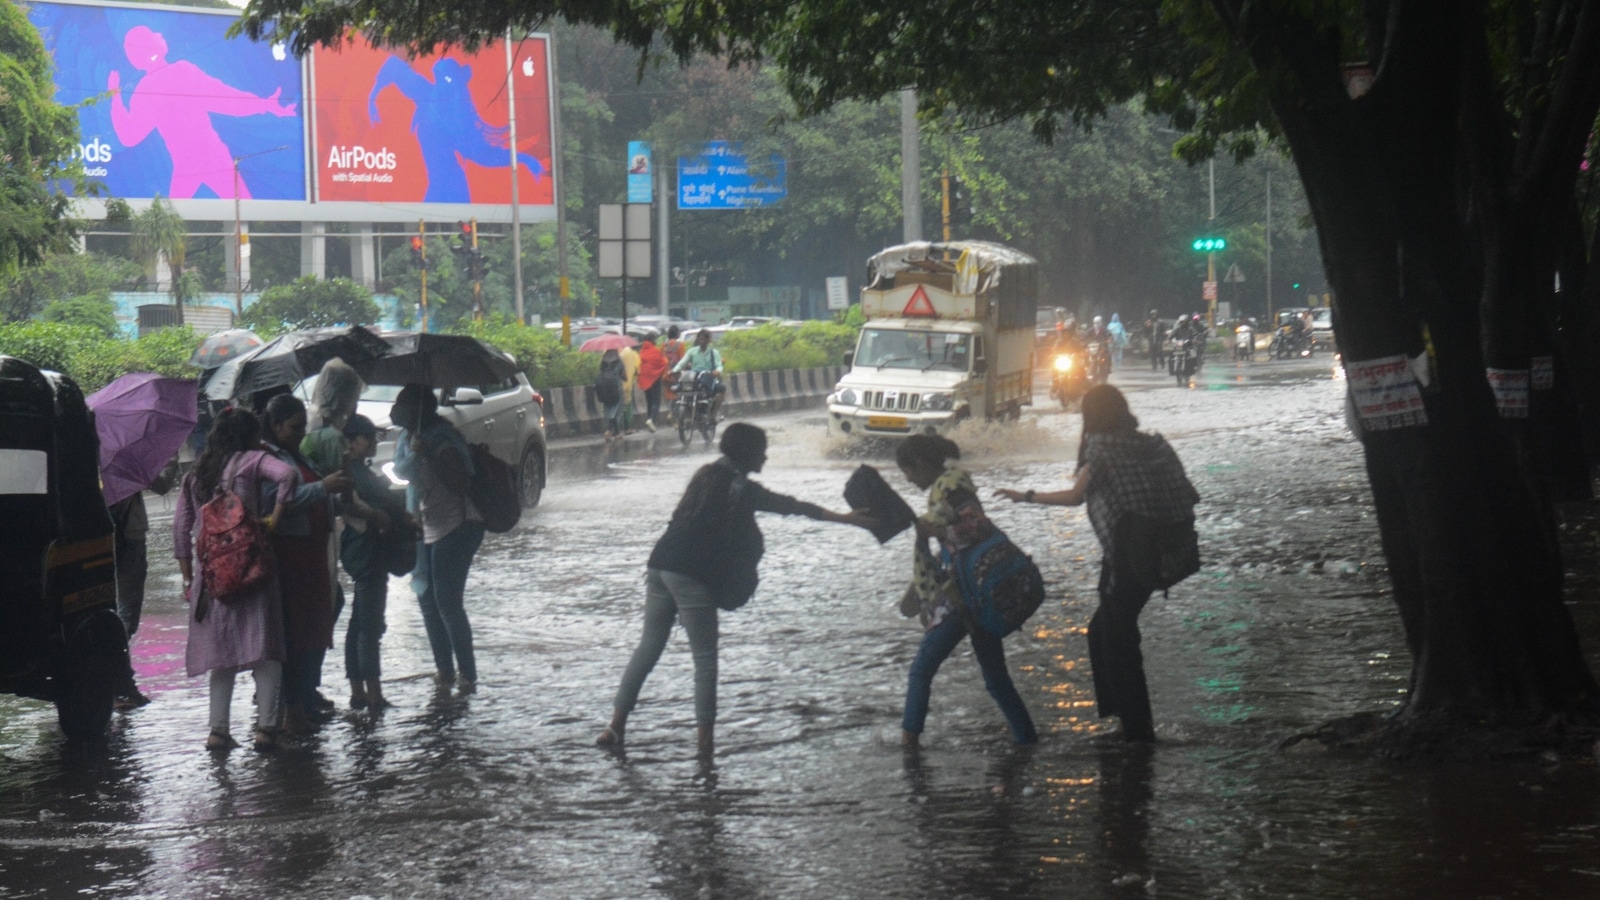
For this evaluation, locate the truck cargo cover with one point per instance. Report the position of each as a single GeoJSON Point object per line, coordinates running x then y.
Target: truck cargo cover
{"type": "Point", "coordinates": [977, 267]}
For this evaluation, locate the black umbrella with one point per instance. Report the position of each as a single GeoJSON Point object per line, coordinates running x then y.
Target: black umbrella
{"type": "Point", "coordinates": [290, 358]}
{"type": "Point", "coordinates": [439, 361]}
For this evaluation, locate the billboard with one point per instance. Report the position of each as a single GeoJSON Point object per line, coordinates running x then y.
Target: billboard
{"type": "Point", "coordinates": [722, 178]}
{"type": "Point", "coordinates": [168, 104]}
{"type": "Point", "coordinates": [434, 130]}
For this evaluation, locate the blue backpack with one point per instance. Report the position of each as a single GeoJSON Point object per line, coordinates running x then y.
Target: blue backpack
{"type": "Point", "coordinates": [1001, 585]}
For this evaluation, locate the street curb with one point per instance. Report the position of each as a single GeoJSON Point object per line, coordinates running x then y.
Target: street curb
{"type": "Point", "coordinates": [573, 411]}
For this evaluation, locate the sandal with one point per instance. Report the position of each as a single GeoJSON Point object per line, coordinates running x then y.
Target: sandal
{"type": "Point", "coordinates": [265, 739]}
{"type": "Point", "coordinates": [220, 739]}
{"type": "Point", "coordinates": [610, 737]}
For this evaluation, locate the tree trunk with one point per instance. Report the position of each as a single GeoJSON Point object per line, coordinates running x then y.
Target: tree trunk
{"type": "Point", "coordinates": [1476, 576]}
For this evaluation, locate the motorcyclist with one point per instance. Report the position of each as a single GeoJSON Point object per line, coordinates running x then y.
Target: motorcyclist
{"type": "Point", "coordinates": [704, 360]}
{"type": "Point", "coordinates": [1155, 333]}
{"type": "Point", "coordinates": [1099, 334]}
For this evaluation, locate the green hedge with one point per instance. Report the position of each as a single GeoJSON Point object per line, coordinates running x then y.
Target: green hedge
{"type": "Point", "coordinates": [94, 360]}
{"type": "Point", "coordinates": [774, 346]}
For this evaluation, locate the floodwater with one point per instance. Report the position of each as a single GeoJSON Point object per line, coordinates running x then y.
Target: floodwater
{"type": "Point", "coordinates": [501, 794]}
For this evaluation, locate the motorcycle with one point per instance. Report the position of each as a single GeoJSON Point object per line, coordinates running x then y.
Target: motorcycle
{"type": "Point", "coordinates": [1244, 344]}
{"type": "Point", "coordinates": [1183, 359]}
{"type": "Point", "coordinates": [691, 408]}
{"type": "Point", "coordinates": [1098, 362]}
{"type": "Point", "coordinates": [1288, 343]}
{"type": "Point", "coordinates": [1069, 376]}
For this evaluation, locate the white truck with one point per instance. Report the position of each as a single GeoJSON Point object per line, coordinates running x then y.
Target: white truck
{"type": "Point", "coordinates": [949, 336]}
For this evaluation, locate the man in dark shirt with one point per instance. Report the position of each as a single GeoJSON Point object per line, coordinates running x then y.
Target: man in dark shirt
{"type": "Point", "coordinates": [707, 561]}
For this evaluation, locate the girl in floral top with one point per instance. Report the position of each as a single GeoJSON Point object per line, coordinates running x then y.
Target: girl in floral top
{"type": "Point", "coordinates": [955, 517]}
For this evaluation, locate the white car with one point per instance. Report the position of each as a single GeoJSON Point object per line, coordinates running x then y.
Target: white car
{"type": "Point", "coordinates": [508, 416]}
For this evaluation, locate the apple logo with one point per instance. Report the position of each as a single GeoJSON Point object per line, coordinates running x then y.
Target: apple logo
{"type": "Point", "coordinates": [279, 52]}
{"type": "Point", "coordinates": [527, 67]}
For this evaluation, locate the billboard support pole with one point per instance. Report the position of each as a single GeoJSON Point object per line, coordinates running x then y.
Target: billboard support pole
{"type": "Point", "coordinates": [663, 245]}
{"type": "Point", "coordinates": [516, 203]}
{"type": "Point", "coordinates": [558, 171]}
{"type": "Point", "coordinates": [423, 319]}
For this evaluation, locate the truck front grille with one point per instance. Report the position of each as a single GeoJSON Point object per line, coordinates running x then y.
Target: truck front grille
{"type": "Point", "coordinates": [897, 401]}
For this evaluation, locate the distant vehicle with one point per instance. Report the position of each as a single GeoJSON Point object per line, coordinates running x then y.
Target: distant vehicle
{"type": "Point", "coordinates": [60, 638]}
{"type": "Point", "coordinates": [508, 416]}
{"type": "Point", "coordinates": [741, 322]}
{"type": "Point", "coordinates": [1322, 328]}
{"type": "Point", "coordinates": [1049, 323]}
{"type": "Point", "coordinates": [939, 346]}
{"type": "Point", "coordinates": [662, 323]}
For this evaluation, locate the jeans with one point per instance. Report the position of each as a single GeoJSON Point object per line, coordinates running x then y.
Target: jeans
{"type": "Point", "coordinates": [937, 644]}
{"type": "Point", "coordinates": [612, 413]}
{"type": "Point", "coordinates": [441, 580]}
{"type": "Point", "coordinates": [361, 639]}
{"type": "Point", "coordinates": [668, 596]}
{"type": "Point", "coordinates": [1115, 658]}
{"type": "Point", "coordinates": [652, 401]}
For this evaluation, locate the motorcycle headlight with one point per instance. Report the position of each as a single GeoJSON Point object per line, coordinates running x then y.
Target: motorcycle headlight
{"type": "Point", "coordinates": [846, 397]}
{"type": "Point", "coordinates": [939, 402]}
{"type": "Point", "coordinates": [1063, 363]}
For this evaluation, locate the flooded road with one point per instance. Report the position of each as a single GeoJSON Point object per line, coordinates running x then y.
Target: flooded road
{"type": "Point", "coordinates": [501, 794]}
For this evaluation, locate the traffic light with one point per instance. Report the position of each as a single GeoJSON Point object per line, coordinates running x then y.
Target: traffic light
{"type": "Point", "coordinates": [462, 248]}
{"type": "Point", "coordinates": [961, 209]}
{"type": "Point", "coordinates": [419, 257]}
{"type": "Point", "coordinates": [1297, 285]}
{"type": "Point", "coordinates": [1209, 244]}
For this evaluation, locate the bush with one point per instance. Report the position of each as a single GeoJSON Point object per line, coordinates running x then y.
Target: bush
{"type": "Point", "coordinates": [96, 312]}
{"type": "Point", "coordinates": [93, 360]}
{"type": "Point", "coordinates": [537, 350]}
{"type": "Point", "coordinates": [310, 303]}
{"type": "Point", "coordinates": [774, 346]}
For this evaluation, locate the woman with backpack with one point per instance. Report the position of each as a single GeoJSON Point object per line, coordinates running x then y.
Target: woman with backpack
{"type": "Point", "coordinates": [434, 457]}
{"type": "Point", "coordinates": [955, 517]}
{"type": "Point", "coordinates": [245, 630]}
{"type": "Point", "coordinates": [713, 535]}
{"type": "Point", "coordinates": [1132, 482]}
{"type": "Point", "coordinates": [301, 542]}
{"type": "Point", "coordinates": [608, 391]}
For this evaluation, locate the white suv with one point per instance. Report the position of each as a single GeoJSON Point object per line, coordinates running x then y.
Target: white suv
{"type": "Point", "coordinates": [508, 416]}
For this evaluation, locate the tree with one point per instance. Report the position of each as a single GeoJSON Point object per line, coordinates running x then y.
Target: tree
{"type": "Point", "coordinates": [37, 141]}
{"type": "Point", "coordinates": [311, 303]}
{"type": "Point", "coordinates": [160, 232]}
{"type": "Point", "coordinates": [62, 275]}
{"type": "Point", "coordinates": [95, 312]}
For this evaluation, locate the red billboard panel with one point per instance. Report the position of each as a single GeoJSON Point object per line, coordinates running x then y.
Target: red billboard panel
{"type": "Point", "coordinates": [434, 129]}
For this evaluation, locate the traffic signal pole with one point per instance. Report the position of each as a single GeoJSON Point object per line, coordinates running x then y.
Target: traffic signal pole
{"type": "Point", "coordinates": [1211, 257]}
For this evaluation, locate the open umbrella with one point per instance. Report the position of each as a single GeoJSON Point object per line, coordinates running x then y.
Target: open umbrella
{"type": "Point", "coordinates": [223, 346]}
{"type": "Point", "coordinates": [438, 361]}
{"type": "Point", "coordinates": [142, 420]}
{"type": "Point", "coordinates": [292, 357]}
{"type": "Point", "coordinates": [607, 342]}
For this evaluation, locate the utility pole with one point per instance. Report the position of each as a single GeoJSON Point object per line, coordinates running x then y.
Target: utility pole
{"type": "Point", "coordinates": [910, 166]}
{"type": "Point", "coordinates": [241, 241]}
{"type": "Point", "coordinates": [1269, 247]}
{"type": "Point", "coordinates": [1211, 257]}
{"type": "Point", "coordinates": [516, 202]}
{"type": "Point", "coordinates": [663, 241]}
{"type": "Point", "coordinates": [422, 243]}
{"type": "Point", "coordinates": [558, 171]}
{"type": "Point", "coordinates": [475, 259]}
{"type": "Point", "coordinates": [944, 192]}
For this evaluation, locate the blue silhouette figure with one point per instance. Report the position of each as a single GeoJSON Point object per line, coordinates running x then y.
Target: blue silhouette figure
{"type": "Point", "coordinates": [440, 120]}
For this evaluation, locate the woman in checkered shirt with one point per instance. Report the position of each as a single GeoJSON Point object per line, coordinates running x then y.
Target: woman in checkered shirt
{"type": "Point", "coordinates": [1131, 480]}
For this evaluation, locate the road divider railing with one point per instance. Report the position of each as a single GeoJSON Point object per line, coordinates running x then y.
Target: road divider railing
{"type": "Point", "coordinates": [574, 411]}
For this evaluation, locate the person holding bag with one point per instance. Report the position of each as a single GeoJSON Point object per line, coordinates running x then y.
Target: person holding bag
{"type": "Point", "coordinates": [375, 527]}
{"type": "Point", "coordinates": [1141, 505]}
{"type": "Point", "coordinates": [246, 631]}
{"type": "Point", "coordinates": [955, 517]}
{"type": "Point", "coordinates": [707, 561]}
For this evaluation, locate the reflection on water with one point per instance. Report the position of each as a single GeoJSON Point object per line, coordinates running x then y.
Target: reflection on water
{"type": "Point", "coordinates": [500, 794]}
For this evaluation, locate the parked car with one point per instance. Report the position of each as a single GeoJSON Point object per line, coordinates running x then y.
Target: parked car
{"type": "Point", "coordinates": [508, 416]}
{"type": "Point", "coordinates": [60, 638]}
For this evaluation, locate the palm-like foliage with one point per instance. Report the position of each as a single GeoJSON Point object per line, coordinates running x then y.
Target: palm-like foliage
{"type": "Point", "coordinates": [160, 231]}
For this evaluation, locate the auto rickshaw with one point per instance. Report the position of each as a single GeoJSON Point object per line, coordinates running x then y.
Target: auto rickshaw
{"type": "Point", "coordinates": [60, 638]}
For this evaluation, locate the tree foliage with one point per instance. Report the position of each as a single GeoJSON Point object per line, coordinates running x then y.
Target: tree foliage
{"type": "Point", "coordinates": [62, 276]}
{"type": "Point", "coordinates": [310, 302]}
{"type": "Point", "coordinates": [160, 233]}
{"type": "Point", "coordinates": [37, 140]}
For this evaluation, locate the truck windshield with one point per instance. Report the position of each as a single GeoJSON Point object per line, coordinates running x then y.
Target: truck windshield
{"type": "Point", "coordinates": [923, 350]}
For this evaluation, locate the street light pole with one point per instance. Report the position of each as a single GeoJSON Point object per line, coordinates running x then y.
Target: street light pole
{"type": "Point", "coordinates": [238, 232]}
{"type": "Point", "coordinates": [1211, 257]}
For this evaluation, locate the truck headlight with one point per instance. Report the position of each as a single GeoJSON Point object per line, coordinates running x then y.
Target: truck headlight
{"type": "Point", "coordinates": [1063, 363]}
{"type": "Point", "coordinates": [938, 402]}
{"type": "Point", "coordinates": [845, 397]}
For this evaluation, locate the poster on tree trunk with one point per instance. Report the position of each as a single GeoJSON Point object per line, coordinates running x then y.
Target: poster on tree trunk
{"type": "Point", "coordinates": [1385, 393]}
{"type": "Point", "coordinates": [1510, 388]}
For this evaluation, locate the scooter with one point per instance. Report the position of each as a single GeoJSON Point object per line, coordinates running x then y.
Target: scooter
{"type": "Point", "coordinates": [1183, 359]}
{"type": "Point", "coordinates": [1244, 344]}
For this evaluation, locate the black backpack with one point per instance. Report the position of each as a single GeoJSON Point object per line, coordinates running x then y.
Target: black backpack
{"type": "Point", "coordinates": [493, 490]}
{"type": "Point", "coordinates": [608, 388]}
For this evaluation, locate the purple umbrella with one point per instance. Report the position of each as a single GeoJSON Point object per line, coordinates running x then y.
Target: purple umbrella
{"type": "Point", "coordinates": [142, 420]}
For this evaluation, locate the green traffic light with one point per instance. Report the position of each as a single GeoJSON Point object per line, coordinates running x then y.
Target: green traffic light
{"type": "Point", "coordinates": [1198, 244]}
{"type": "Point", "coordinates": [1207, 245]}
{"type": "Point", "coordinates": [1297, 285]}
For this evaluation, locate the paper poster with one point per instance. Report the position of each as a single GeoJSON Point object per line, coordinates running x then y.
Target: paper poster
{"type": "Point", "coordinates": [1544, 373]}
{"type": "Point", "coordinates": [1510, 388]}
{"type": "Point", "coordinates": [1385, 393]}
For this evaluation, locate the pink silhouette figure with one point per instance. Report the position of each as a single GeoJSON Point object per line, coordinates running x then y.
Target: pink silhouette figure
{"type": "Point", "coordinates": [178, 99]}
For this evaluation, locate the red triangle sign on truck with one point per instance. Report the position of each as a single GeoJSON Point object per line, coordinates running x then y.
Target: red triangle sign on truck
{"type": "Point", "coordinates": [919, 304]}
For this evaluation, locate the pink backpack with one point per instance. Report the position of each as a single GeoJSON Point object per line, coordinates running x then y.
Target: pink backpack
{"type": "Point", "coordinates": [235, 557]}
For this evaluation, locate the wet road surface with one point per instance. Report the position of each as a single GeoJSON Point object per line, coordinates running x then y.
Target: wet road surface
{"type": "Point", "coordinates": [501, 794]}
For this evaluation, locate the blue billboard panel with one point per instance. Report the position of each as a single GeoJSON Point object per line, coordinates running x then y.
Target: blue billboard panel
{"type": "Point", "coordinates": [721, 178]}
{"type": "Point", "coordinates": [169, 102]}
